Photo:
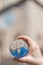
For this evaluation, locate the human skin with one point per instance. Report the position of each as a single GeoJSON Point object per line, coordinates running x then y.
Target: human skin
{"type": "Point", "coordinates": [34, 56]}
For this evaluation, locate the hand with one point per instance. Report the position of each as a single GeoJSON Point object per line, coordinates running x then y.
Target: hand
{"type": "Point", "coordinates": [34, 56]}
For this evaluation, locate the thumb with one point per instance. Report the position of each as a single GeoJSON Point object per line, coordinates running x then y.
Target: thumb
{"type": "Point", "coordinates": [26, 58]}
{"type": "Point", "coordinates": [30, 59]}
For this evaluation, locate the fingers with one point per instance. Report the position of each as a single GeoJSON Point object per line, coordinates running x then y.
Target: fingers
{"type": "Point", "coordinates": [28, 40]}
{"type": "Point", "coordinates": [30, 59]}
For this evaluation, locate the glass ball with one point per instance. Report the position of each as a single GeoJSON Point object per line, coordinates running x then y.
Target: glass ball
{"type": "Point", "coordinates": [19, 48]}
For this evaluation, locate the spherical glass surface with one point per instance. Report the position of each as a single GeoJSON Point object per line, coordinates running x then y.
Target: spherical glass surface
{"type": "Point", "coordinates": [19, 48]}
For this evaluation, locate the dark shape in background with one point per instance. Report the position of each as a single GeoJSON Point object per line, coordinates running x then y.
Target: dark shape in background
{"type": "Point", "coordinates": [19, 4]}
{"type": "Point", "coordinates": [11, 6]}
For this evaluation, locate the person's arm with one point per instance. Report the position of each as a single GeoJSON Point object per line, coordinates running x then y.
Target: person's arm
{"type": "Point", "coordinates": [34, 56]}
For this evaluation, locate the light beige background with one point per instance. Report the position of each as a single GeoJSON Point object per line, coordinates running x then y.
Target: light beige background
{"type": "Point", "coordinates": [29, 22]}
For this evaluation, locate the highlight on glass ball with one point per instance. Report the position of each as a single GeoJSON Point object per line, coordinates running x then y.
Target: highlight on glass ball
{"type": "Point", "coordinates": [19, 48]}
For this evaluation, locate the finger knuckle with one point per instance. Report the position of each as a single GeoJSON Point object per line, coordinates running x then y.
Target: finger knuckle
{"type": "Point", "coordinates": [35, 47]}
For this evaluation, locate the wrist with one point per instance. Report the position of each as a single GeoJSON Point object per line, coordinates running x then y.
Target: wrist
{"type": "Point", "coordinates": [41, 63]}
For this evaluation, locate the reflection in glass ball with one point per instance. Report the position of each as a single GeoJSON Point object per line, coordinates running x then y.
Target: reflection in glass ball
{"type": "Point", "coordinates": [19, 48]}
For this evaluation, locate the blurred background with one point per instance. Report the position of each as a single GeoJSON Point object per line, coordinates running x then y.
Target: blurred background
{"type": "Point", "coordinates": [19, 17]}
